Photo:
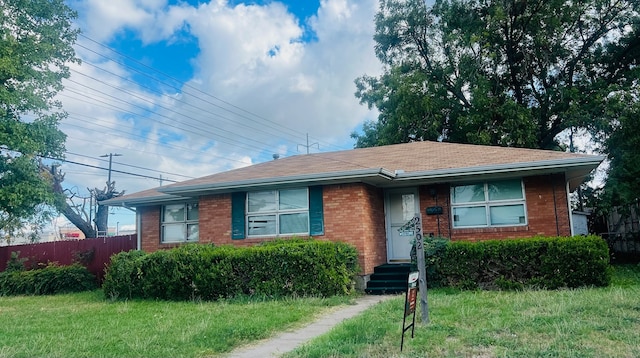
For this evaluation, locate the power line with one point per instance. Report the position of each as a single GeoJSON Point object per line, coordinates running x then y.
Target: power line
{"type": "Point", "coordinates": [88, 165]}
{"type": "Point", "coordinates": [133, 166]}
{"type": "Point", "coordinates": [110, 155]}
{"type": "Point", "coordinates": [264, 121]}
{"type": "Point", "coordinates": [168, 110]}
{"type": "Point", "coordinates": [196, 130]}
{"type": "Point", "coordinates": [204, 110]}
{"type": "Point", "coordinates": [147, 140]}
{"type": "Point", "coordinates": [277, 129]}
{"type": "Point", "coordinates": [185, 103]}
{"type": "Point", "coordinates": [309, 145]}
{"type": "Point", "coordinates": [144, 140]}
{"type": "Point", "coordinates": [142, 151]}
{"type": "Point", "coordinates": [113, 170]}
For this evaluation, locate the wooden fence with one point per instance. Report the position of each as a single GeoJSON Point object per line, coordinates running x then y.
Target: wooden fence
{"type": "Point", "coordinates": [623, 232]}
{"type": "Point", "coordinates": [625, 220]}
{"type": "Point", "coordinates": [92, 253]}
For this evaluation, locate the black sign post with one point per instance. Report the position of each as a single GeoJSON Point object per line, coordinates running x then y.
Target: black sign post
{"type": "Point", "coordinates": [411, 299]}
{"type": "Point", "coordinates": [415, 225]}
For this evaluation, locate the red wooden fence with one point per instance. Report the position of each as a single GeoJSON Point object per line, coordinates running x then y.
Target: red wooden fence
{"type": "Point", "coordinates": [92, 253]}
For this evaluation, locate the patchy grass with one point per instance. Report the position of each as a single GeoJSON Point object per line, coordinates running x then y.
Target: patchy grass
{"type": "Point", "coordinates": [591, 322]}
{"type": "Point", "coordinates": [588, 322]}
{"type": "Point", "coordinates": [86, 325]}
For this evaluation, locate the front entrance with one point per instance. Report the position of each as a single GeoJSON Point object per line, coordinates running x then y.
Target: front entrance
{"type": "Point", "coordinates": [401, 205]}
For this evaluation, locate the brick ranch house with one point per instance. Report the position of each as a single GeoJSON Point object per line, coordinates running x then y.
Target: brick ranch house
{"type": "Point", "coordinates": [363, 196]}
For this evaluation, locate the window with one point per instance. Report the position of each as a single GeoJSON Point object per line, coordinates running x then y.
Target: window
{"type": "Point", "coordinates": [180, 222]}
{"type": "Point", "coordinates": [494, 203]}
{"type": "Point", "coordinates": [278, 212]}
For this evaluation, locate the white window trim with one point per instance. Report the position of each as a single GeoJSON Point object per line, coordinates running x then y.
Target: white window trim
{"type": "Point", "coordinates": [185, 224]}
{"type": "Point", "coordinates": [277, 212]}
{"type": "Point", "coordinates": [487, 204]}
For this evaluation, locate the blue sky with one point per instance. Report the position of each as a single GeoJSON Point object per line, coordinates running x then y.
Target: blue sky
{"type": "Point", "coordinates": [184, 89]}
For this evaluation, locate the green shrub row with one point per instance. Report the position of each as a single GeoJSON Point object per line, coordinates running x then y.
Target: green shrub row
{"type": "Point", "coordinates": [51, 279]}
{"type": "Point", "coordinates": [541, 262]}
{"type": "Point", "coordinates": [434, 252]}
{"type": "Point", "coordinates": [196, 271]}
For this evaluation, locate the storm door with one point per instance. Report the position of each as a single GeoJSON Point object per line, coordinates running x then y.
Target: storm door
{"type": "Point", "coordinates": [400, 207]}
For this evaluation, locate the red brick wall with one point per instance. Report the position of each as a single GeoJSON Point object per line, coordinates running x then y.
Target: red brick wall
{"type": "Point", "coordinates": [150, 228]}
{"type": "Point", "coordinates": [546, 198]}
{"type": "Point", "coordinates": [215, 219]}
{"type": "Point", "coordinates": [354, 213]}
{"type": "Point", "coordinates": [435, 195]}
{"type": "Point", "coordinates": [376, 245]}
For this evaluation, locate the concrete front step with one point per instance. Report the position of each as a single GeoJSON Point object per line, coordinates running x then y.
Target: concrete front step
{"type": "Point", "coordinates": [386, 283]}
{"type": "Point", "coordinates": [389, 276]}
{"type": "Point", "coordinates": [389, 279]}
{"type": "Point", "coordinates": [385, 290]}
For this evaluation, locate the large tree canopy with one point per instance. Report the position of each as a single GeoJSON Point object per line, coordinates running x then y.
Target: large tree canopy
{"type": "Point", "coordinates": [36, 38]}
{"type": "Point", "coordinates": [623, 150]}
{"type": "Point", "coordinates": [511, 72]}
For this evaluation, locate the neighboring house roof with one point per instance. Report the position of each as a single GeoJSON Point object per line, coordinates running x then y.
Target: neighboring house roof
{"type": "Point", "coordinates": [386, 166]}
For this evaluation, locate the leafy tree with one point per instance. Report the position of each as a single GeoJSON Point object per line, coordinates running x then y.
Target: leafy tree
{"type": "Point", "coordinates": [623, 151]}
{"type": "Point", "coordinates": [36, 38]}
{"type": "Point", "coordinates": [500, 72]}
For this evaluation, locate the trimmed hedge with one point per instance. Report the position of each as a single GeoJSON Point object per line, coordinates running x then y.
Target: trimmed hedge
{"type": "Point", "coordinates": [52, 279]}
{"type": "Point", "coordinates": [434, 252]}
{"type": "Point", "coordinates": [540, 262]}
{"type": "Point", "coordinates": [197, 271]}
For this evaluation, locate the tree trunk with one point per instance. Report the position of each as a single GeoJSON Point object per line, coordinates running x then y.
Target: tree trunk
{"type": "Point", "coordinates": [102, 214]}
{"type": "Point", "coordinates": [77, 221]}
{"type": "Point", "coordinates": [73, 214]}
{"type": "Point", "coordinates": [102, 219]}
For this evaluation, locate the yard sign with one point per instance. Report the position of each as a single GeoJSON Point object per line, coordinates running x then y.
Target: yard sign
{"type": "Point", "coordinates": [410, 305]}
{"type": "Point", "coordinates": [415, 224]}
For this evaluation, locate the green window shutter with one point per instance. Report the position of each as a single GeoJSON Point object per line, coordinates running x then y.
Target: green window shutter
{"type": "Point", "coordinates": [237, 215]}
{"type": "Point", "coordinates": [316, 214]}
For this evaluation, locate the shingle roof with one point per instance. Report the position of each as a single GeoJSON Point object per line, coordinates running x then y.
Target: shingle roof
{"type": "Point", "coordinates": [380, 164]}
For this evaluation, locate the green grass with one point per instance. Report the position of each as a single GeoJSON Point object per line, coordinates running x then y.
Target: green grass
{"type": "Point", "coordinates": [87, 325]}
{"type": "Point", "coordinates": [588, 322]}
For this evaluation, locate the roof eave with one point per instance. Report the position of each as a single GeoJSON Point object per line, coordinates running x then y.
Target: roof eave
{"type": "Point", "coordinates": [576, 168]}
{"type": "Point", "coordinates": [143, 201]}
{"type": "Point", "coordinates": [374, 176]}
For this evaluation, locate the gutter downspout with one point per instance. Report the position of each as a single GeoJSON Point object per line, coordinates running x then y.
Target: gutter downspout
{"type": "Point", "coordinates": [138, 231]}
{"type": "Point", "coordinates": [570, 211]}
{"type": "Point", "coordinates": [138, 226]}
{"type": "Point", "coordinates": [555, 203]}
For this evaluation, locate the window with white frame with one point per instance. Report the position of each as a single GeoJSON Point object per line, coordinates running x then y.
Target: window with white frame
{"type": "Point", "coordinates": [492, 203]}
{"type": "Point", "coordinates": [278, 212]}
{"type": "Point", "coordinates": [180, 222]}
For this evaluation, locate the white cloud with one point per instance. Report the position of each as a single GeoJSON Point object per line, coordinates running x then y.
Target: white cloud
{"type": "Point", "coordinates": [245, 45]}
{"type": "Point", "coordinates": [102, 19]}
{"type": "Point", "coordinates": [304, 86]}
{"type": "Point", "coordinates": [251, 56]}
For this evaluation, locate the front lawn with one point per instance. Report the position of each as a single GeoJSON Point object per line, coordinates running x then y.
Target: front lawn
{"type": "Point", "coordinates": [587, 322]}
{"type": "Point", "coordinates": [86, 325]}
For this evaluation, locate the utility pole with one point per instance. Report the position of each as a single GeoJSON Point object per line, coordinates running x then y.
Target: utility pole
{"type": "Point", "coordinates": [309, 145]}
{"type": "Point", "coordinates": [110, 155]}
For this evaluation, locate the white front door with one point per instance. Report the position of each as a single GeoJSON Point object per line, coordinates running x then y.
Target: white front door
{"type": "Point", "coordinates": [400, 206]}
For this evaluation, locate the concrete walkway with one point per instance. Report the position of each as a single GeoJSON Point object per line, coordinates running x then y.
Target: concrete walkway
{"type": "Point", "coordinates": [288, 341]}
